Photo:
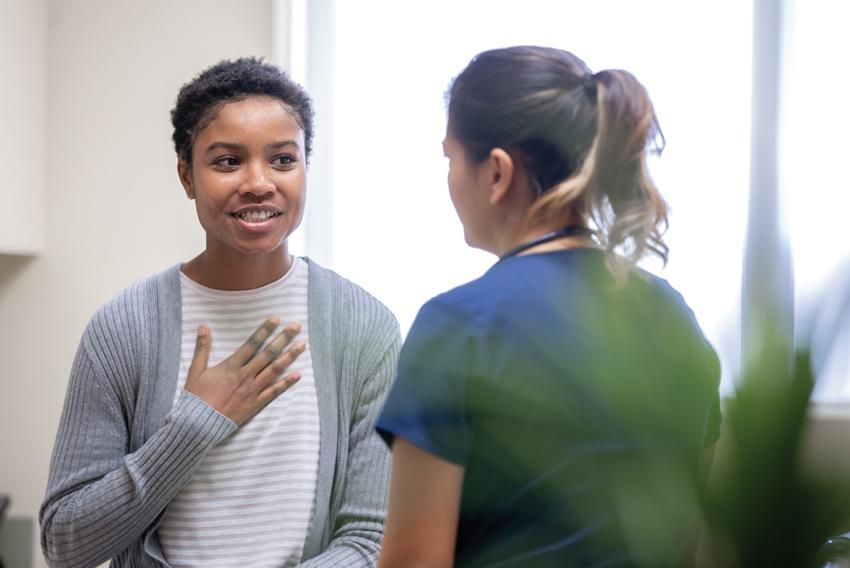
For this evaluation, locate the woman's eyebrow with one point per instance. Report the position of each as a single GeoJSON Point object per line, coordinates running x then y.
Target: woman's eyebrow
{"type": "Point", "coordinates": [226, 145]}
{"type": "Point", "coordinates": [282, 143]}
{"type": "Point", "coordinates": [235, 147]}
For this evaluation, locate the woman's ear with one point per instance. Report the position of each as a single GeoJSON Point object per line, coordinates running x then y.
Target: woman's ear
{"type": "Point", "coordinates": [184, 171]}
{"type": "Point", "coordinates": [500, 174]}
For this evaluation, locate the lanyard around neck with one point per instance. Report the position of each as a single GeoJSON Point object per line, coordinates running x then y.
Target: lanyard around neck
{"type": "Point", "coordinates": [565, 232]}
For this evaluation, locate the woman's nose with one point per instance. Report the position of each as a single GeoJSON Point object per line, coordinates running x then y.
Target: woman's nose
{"type": "Point", "coordinates": [256, 181]}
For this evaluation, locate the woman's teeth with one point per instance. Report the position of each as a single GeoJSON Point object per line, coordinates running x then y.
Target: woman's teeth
{"type": "Point", "coordinates": [256, 216]}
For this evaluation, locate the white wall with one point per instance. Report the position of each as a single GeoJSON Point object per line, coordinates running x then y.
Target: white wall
{"type": "Point", "coordinates": [115, 209]}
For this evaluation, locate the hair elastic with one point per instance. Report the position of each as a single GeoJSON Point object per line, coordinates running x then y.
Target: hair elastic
{"type": "Point", "coordinates": [588, 81]}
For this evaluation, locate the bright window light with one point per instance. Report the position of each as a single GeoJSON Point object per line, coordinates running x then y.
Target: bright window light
{"type": "Point", "coordinates": [814, 153]}
{"type": "Point", "coordinates": [396, 233]}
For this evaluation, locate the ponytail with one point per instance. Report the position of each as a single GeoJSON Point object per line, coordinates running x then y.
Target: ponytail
{"type": "Point", "coordinates": [582, 138]}
{"type": "Point", "coordinates": [612, 187]}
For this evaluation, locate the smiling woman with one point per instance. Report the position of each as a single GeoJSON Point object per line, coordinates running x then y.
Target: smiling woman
{"type": "Point", "coordinates": [203, 449]}
{"type": "Point", "coordinates": [248, 181]}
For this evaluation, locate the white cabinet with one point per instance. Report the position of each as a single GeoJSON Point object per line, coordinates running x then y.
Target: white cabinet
{"type": "Point", "coordinates": [23, 125]}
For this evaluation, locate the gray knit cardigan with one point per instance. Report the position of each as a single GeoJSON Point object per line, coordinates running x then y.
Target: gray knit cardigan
{"type": "Point", "coordinates": [121, 453]}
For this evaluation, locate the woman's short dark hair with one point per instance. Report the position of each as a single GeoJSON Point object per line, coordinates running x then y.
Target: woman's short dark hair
{"type": "Point", "coordinates": [200, 100]}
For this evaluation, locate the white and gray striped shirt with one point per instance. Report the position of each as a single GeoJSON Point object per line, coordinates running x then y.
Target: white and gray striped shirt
{"type": "Point", "coordinates": [251, 501]}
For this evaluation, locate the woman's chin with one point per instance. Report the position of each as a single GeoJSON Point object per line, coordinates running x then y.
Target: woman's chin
{"type": "Point", "coordinates": [280, 248]}
{"type": "Point", "coordinates": [254, 248]}
{"type": "Point", "coordinates": [478, 243]}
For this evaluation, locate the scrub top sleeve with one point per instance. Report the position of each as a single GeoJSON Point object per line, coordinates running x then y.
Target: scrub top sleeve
{"type": "Point", "coordinates": [427, 403]}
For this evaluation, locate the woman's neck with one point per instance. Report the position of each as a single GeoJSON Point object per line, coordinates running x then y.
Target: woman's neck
{"type": "Point", "coordinates": [236, 271]}
{"type": "Point", "coordinates": [520, 233]}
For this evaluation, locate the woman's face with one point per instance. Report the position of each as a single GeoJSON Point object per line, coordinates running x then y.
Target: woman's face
{"type": "Point", "coordinates": [248, 177]}
{"type": "Point", "coordinates": [469, 194]}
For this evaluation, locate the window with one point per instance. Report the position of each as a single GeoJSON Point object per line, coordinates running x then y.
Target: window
{"type": "Point", "coordinates": [395, 231]}
{"type": "Point", "coordinates": [814, 156]}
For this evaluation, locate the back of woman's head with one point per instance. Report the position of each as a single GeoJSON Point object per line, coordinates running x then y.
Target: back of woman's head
{"type": "Point", "coordinates": [582, 139]}
{"type": "Point", "coordinates": [200, 100]}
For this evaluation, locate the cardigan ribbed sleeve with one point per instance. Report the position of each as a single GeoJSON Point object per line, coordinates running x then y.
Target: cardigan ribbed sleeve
{"type": "Point", "coordinates": [100, 498]}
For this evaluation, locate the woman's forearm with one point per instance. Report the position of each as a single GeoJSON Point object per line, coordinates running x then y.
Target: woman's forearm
{"type": "Point", "coordinates": [99, 500]}
{"type": "Point", "coordinates": [424, 507]}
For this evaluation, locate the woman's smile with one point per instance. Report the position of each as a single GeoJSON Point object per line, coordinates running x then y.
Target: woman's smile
{"type": "Point", "coordinates": [253, 219]}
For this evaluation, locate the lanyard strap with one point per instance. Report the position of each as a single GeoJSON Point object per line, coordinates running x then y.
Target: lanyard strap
{"type": "Point", "coordinates": [565, 232]}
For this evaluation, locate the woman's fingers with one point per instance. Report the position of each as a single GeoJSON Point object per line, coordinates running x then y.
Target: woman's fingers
{"type": "Point", "coordinates": [277, 367]}
{"type": "Point", "coordinates": [202, 352]}
{"type": "Point", "coordinates": [273, 350]}
{"type": "Point", "coordinates": [241, 385]}
{"type": "Point", "coordinates": [247, 349]}
{"type": "Point", "coordinates": [276, 389]}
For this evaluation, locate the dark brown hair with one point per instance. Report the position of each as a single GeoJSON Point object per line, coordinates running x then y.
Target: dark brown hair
{"type": "Point", "coordinates": [582, 138]}
{"type": "Point", "coordinates": [200, 100]}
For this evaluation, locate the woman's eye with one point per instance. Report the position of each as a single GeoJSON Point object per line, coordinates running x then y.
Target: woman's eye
{"type": "Point", "coordinates": [227, 161]}
{"type": "Point", "coordinates": [283, 160]}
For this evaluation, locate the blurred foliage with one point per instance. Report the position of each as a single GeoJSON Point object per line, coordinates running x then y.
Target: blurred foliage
{"type": "Point", "coordinates": [763, 506]}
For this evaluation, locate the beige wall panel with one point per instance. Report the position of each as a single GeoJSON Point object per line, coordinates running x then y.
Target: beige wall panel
{"type": "Point", "coordinates": [115, 210]}
{"type": "Point", "coordinates": [23, 125]}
